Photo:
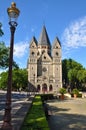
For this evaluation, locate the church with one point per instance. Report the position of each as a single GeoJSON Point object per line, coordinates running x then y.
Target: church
{"type": "Point", "coordinates": [44, 64]}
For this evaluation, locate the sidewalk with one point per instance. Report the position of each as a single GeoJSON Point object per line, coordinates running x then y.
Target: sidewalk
{"type": "Point", "coordinates": [67, 114]}
{"type": "Point", "coordinates": [19, 111]}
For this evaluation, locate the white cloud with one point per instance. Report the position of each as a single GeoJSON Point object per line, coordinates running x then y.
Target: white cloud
{"type": "Point", "coordinates": [74, 35]}
{"type": "Point", "coordinates": [20, 49]}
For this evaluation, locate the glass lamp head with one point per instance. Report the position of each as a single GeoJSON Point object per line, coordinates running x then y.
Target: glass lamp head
{"type": "Point", "coordinates": [13, 14]}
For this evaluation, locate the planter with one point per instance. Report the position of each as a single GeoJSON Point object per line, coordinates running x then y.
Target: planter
{"type": "Point", "coordinates": [62, 97]}
{"type": "Point", "coordinates": [62, 92]}
{"type": "Point", "coordinates": [75, 92]}
{"type": "Point", "coordinates": [75, 95]}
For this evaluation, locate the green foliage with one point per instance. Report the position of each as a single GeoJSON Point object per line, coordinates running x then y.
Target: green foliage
{"type": "Point", "coordinates": [70, 65]}
{"type": "Point", "coordinates": [62, 91]}
{"type": "Point", "coordinates": [1, 32]}
{"type": "Point", "coordinates": [4, 57]}
{"type": "Point", "coordinates": [3, 80]}
{"type": "Point", "coordinates": [75, 91]}
{"type": "Point", "coordinates": [64, 70]}
{"type": "Point", "coordinates": [84, 76]}
{"type": "Point", "coordinates": [19, 79]}
{"type": "Point", "coordinates": [45, 97]}
{"type": "Point", "coordinates": [4, 54]}
{"type": "Point", "coordinates": [73, 74]}
{"type": "Point", "coordinates": [79, 95]}
{"type": "Point", "coordinates": [35, 118]}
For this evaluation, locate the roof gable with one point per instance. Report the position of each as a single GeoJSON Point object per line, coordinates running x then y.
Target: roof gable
{"type": "Point", "coordinates": [33, 43]}
{"type": "Point", "coordinates": [56, 43]}
{"type": "Point", "coordinates": [46, 57]}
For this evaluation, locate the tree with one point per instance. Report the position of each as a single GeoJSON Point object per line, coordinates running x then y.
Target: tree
{"type": "Point", "coordinates": [4, 57]}
{"type": "Point", "coordinates": [20, 79]}
{"type": "Point", "coordinates": [73, 73]}
{"type": "Point", "coordinates": [64, 71]}
{"type": "Point", "coordinates": [1, 32]}
{"type": "Point", "coordinates": [83, 80]}
{"type": "Point", "coordinates": [72, 76]}
{"type": "Point", "coordinates": [3, 80]}
{"type": "Point", "coordinates": [4, 54]}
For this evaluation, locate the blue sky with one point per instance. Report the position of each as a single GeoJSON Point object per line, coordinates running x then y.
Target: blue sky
{"type": "Point", "coordinates": [65, 19]}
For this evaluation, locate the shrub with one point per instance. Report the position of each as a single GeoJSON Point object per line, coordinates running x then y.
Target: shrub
{"type": "Point", "coordinates": [79, 95]}
{"type": "Point", "coordinates": [62, 91]}
{"type": "Point", "coordinates": [35, 118]}
{"type": "Point", "coordinates": [75, 91]}
{"type": "Point", "coordinates": [45, 97]}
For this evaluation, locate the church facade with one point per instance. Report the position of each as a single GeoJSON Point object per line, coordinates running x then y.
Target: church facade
{"type": "Point", "coordinates": [44, 64]}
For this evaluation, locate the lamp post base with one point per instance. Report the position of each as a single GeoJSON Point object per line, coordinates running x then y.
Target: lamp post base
{"type": "Point", "coordinates": [6, 126]}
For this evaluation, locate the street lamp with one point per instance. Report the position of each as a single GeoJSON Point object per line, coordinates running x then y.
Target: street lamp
{"type": "Point", "coordinates": [13, 14]}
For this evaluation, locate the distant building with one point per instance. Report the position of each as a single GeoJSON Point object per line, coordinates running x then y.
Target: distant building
{"type": "Point", "coordinates": [44, 64]}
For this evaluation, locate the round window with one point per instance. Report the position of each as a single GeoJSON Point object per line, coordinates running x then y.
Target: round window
{"type": "Point", "coordinates": [44, 69]}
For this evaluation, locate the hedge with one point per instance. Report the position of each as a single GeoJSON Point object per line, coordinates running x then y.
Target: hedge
{"type": "Point", "coordinates": [35, 118]}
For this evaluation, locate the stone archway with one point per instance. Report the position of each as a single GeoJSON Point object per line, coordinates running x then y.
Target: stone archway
{"type": "Point", "coordinates": [44, 88]}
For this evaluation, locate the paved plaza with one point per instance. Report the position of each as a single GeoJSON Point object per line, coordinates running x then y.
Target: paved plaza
{"type": "Point", "coordinates": [68, 114]}
{"type": "Point", "coordinates": [21, 102]}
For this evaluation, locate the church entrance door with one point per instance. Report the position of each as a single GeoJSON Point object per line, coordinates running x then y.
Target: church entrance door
{"type": "Point", "coordinates": [44, 88]}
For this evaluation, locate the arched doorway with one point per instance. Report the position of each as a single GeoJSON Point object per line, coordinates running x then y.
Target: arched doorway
{"type": "Point", "coordinates": [44, 88]}
{"type": "Point", "coordinates": [38, 88]}
{"type": "Point", "coordinates": [50, 88]}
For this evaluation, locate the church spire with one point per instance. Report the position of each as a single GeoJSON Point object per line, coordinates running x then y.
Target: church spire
{"type": "Point", "coordinates": [44, 39]}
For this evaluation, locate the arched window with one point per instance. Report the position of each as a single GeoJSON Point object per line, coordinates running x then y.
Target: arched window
{"type": "Point", "coordinates": [33, 53]}
{"type": "Point", "coordinates": [38, 53]}
{"type": "Point", "coordinates": [50, 88]}
{"type": "Point", "coordinates": [57, 53]}
{"type": "Point", "coordinates": [38, 88]}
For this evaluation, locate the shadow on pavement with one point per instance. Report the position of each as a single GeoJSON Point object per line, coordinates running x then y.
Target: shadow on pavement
{"type": "Point", "coordinates": [67, 122]}
{"type": "Point", "coordinates": [61, 120]}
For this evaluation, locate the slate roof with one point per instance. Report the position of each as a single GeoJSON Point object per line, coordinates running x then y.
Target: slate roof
{"type": "Point", "coordinates": [33, 40]}
{"type": "Point", "coordinates": [44, 39]}
{"type": "Point", "coordinates": [56, 41]}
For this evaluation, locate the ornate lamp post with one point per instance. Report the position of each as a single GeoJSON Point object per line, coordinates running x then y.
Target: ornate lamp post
{"type": "Point", "coordinates": [13, 14]}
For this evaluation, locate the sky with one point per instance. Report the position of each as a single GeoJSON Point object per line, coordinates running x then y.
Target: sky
{"type": "Point", "coordinates": [65, 19]}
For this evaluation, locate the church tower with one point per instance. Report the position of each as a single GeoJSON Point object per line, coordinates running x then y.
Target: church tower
{"type": "Point", "coordinates": [44, 64]}
{"type": "Point", "coordinates": [57, 62]}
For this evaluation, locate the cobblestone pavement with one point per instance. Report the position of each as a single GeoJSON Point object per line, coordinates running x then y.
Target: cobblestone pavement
{"type": "Point", "coordinates": [68, 114]}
